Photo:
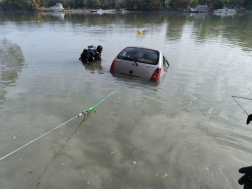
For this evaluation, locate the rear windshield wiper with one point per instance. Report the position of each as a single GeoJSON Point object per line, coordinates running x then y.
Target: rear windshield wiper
{"type": "Point", "coordinates": [128, 58]}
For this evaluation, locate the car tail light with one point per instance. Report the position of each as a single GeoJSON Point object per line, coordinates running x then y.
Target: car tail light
{"type": "Point", "coordinates": [112, 66]}
{"type": "Point", "coordinates": [156, 74]}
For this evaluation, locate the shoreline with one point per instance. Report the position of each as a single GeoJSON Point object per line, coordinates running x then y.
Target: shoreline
{"type": "Point", "coordinates": [109, 11]}
{"type": "Point", "coordinates": [86, 11]}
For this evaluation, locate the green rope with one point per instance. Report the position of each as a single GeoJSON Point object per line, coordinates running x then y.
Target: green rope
{"type": "Point", "coordinates": [89, 109]}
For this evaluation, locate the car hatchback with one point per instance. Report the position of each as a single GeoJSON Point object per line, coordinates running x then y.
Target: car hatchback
{"type": "Point", "coordinates": [140, 62]}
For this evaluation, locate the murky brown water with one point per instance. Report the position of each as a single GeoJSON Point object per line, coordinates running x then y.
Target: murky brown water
{"type": "Point", "coordinates": [188, 132]}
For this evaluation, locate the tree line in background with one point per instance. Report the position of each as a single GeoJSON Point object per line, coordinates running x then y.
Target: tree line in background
{"type": "Point", "coordinates": [128, 4]}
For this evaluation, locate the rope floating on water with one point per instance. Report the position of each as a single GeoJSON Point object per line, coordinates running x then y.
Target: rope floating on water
{"type": "Point", "coordinates": [82, 113]}
{"type": "Point", "coordinates": [37, 138]}
{"type": "Point", "coordinates": [84, 119]}
{"type": "Point", "coordinates": [241, 97]}
{"type": "Point", "coordinates": [240, 105]}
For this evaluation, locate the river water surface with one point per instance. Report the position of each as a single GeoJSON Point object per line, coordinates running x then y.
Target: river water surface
{"type": "Point", "coordinates": [185, 132]}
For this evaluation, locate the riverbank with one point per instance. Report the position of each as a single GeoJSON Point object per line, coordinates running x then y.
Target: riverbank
{"type": "Point", "coordinates": [63, 11]}
{"type": "Point", "coordinates": [86, 11]}
{"type": "Point", "coordinates": [76, 11]}
{"type": "Point", "coordinates": [108, 11]}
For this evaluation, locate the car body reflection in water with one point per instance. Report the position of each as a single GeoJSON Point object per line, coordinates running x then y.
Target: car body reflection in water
{"type": "Point", "coordinates": [93, 66]}
{"type": "Point", "coordinates": [11, 63]}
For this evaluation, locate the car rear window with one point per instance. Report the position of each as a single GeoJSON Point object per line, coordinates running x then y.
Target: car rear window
{"type": "Point", "coordinates": [147, 56]}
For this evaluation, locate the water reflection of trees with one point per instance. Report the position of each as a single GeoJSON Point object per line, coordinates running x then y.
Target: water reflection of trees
{"type": "Point", "coordinates": [175, 24]}
{"type": "Point", "coordinates": [236, 29]}
{"type": "Point", "coordinates": [135, 20]}
{"type": "Point", "coordinates": [239, 30]}
{"type": "Point", "coordinates": [11, 62]}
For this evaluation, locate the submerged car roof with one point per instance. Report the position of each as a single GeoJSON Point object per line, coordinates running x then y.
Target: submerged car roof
{"type": "Point", "coordinates": [143, 48]}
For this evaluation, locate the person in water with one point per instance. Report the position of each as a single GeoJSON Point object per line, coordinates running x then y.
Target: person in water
{"type": "Point", "coordinates": [246, 179]}
{"type": "Point", "coordinates": [91, 54]}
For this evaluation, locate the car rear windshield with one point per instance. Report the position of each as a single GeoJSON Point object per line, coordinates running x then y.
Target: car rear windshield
{"type": "Point", "coordinates": [147, 56]}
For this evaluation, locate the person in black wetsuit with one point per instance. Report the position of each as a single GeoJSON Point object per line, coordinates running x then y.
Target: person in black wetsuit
{"type": "Point", "coordinates": [91, 54]}
{"type": "Point", "coordinates": [246, 179]}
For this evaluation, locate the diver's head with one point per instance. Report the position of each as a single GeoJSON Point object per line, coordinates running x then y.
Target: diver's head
{"type": "Point", "coordinates": [99, 49]}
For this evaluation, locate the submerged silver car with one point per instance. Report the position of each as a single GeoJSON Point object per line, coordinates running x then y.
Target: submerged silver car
{"type": "Point", "coordinates": [140, 62]}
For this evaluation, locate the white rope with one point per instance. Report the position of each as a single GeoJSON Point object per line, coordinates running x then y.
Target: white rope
{"type": "Point", "coordinates": [37, 138]}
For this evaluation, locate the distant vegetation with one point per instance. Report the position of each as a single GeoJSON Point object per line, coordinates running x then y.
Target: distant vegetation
{"type": "Point", "coordinates": [128, 4]}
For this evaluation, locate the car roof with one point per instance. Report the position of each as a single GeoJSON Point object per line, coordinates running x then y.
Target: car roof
{"type": "Point", "coordinates": [144, 48]}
